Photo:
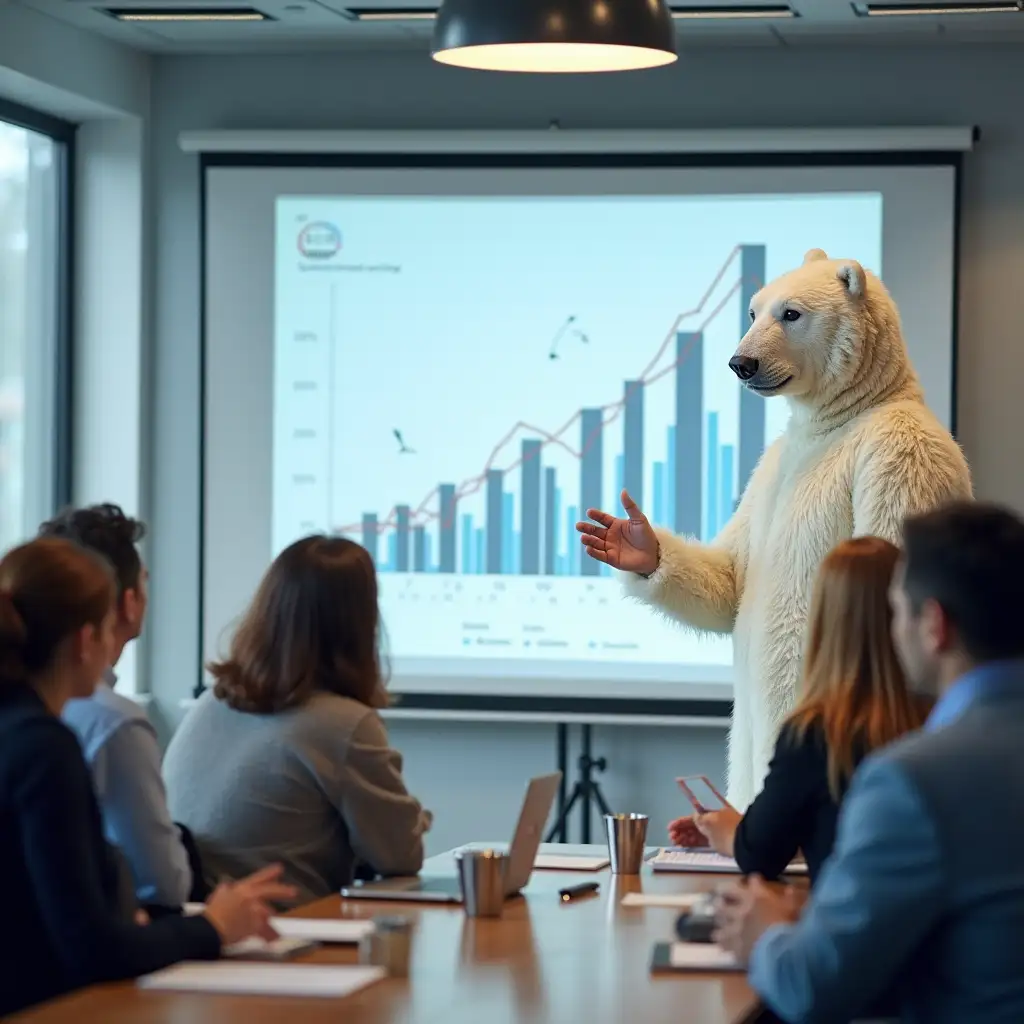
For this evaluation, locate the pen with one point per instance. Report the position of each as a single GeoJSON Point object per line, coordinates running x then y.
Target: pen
{"type": "Point", "coordinates": [577, 890]}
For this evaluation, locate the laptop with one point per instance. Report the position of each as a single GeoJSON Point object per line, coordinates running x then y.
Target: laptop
{"type": "Point", "coordinates": [522, 852]}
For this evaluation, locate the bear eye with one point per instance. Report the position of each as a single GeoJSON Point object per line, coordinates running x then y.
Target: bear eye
{"type": "Point", "coordinates": [750, 313]}
{"type": "Point", "coordinates": [791, 315]}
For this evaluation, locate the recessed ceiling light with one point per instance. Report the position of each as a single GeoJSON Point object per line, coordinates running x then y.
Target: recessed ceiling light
{"type": "Point", "coordinates": [392, 14]}
{"type": "Point", "coordinates": [186, 14]}
{"type": "Point", "coordinates": [935, 10]}
{"type": "Point", "coordinates": [732, 13]}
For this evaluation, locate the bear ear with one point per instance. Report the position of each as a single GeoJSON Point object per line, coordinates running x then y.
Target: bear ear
{"type": "Point", "coordinates": [814, 255]}
{"type": "Point", "coordinates": [851, 274]}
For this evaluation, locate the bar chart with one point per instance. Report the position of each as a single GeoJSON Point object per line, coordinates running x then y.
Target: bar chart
{"type": "Point", "coordinates": [526, 523]}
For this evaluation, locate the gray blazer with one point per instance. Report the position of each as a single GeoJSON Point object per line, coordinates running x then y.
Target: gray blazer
{"type": "Point", "coordinates": [316, 788]}
{"type": "Point", "coordinates": [923, 897]}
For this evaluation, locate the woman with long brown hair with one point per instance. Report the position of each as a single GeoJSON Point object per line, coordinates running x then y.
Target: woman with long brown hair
{"type": "Point", "coordinates": [62, 914]}
{"type": "Point", "coordinates": [285, 758]}
{"type": "Point", "coordinates": [853, 700]}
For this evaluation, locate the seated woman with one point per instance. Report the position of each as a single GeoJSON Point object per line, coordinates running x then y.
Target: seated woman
{"type": "Point", "coordinates": [286, 758]}
{"type": "Point", "coordinates": [61, 879]}
{"type": "Point", "coordinates": [854, 700]}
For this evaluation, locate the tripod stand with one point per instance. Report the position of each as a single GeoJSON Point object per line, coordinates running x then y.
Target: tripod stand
{"type": "Point", "coordinates": [587, 788]}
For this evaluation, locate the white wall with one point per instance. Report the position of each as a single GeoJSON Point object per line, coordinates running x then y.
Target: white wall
{"type": "Point", "coordinates": [786, 87]}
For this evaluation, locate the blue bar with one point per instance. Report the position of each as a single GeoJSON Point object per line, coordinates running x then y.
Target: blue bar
{"type": "Point", "coordinates": [419, 549]}
{"type": "Point", "coordinates": [620, 482]}
{"type": "Point", "coordinates": [370, 533]}
{"type": "Point", "coordinates": [558, 519]}
{"type": "Point", "coordinates": [508, 509]}
{"type": "Point", "coordinates": [446, 526]}
{"type": "Point", "coordinates": [402, 531]}
{"type": "Point", "coordinates": [529, 524]}
{"type": "Point", "coordinates": [517, 552]}
{"type": "Point", "coordinates": [670, 478]}
{"type": "Point", "coordinates": [591, 467]}
{"type": "Point", "coordinates": [467, 544]}
{"type": "Point", "coordinates": [573, 546]}
{"type": "Point", "coordinates": [392, 551]}
{"type": "Point", "coordinates": [633, 443]}
{"type": "Point", "coordinates": [550, 522]}
{"type": "Point", "coordinates": [711, 518]}
{"type": "Point", "coordinates": [752, 407]}
{"type": "Point", "coordinates": [659, 493]}
{"type": "Point", "coordinates": [494, 529]}
{"type": "Point", "coordinates": [480, 544]}
{"type": "Point", "coordinates": [685, 484]}
{"type": "Point", "coordinates": [725, 504]}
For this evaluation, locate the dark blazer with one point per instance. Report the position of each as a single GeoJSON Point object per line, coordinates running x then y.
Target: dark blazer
{"type": "Point", "coordinates": [60, 879]}
{"type": "Point", "coordinates": [794, 811]}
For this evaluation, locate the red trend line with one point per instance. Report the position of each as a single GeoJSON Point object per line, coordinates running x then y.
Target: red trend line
{"type": "Point", "coordinates": [423, 513]}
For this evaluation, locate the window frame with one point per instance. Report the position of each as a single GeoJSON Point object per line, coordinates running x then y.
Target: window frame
{"type": "Point", "coordinates": [63, 133]}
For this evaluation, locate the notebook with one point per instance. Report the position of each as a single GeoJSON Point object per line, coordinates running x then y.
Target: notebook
{"type": "Point", "coordinates": [558, 862]}
{"type": "Point", "coordinates": [677, 900]}
{"type": "Point", "coordinates": [678, 859]}
{"type": "Point", "coordinates": [692, 956]}
{"type": "Point", "coordinates": [263, 979]}
{"type": "Point", "coordinates": [255, 948]}
{"type": "Point", "coordinates": [328, 929]}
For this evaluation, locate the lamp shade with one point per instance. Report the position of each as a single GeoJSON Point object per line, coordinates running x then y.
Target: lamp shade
{"type": "Point", "coordinates": [567, 36]}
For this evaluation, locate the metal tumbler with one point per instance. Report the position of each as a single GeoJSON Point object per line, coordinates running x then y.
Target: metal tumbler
{"type": "Point", "coordinates": [482, 881]}
{"type": "Point", "coordinates": [388, 945]}
{"type": "Point", "coordinates": [627, 834]}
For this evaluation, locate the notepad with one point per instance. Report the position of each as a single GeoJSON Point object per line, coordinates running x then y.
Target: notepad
{"type": "Point", "coordinates": [677, 900]}
{"type": "Point", "coordinates": [676, 859]}
{"type": "Point", "coordinates": [328, 929]}
{"type": "Point", "coordinates": [692, 956]}
{"type": "Point", "coordinates": [558, 862]}
{"type": "Point", "coordinates": [237, 978]}
{"type": "Point", "coordinates": [255, 948]}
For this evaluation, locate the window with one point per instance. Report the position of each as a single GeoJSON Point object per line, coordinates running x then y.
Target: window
{"type": "Point", "coordinates": [34, 320]}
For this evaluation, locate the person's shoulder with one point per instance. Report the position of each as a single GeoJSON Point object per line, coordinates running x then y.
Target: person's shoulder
{"type": "Point", "coordinates": [40, 740]}
{"type": "Point", "coordinates": [331, 711]}
{"type": "Point", "coordinates": [802, 739]}
{"type": "Point", "coordinates": [98, 717]}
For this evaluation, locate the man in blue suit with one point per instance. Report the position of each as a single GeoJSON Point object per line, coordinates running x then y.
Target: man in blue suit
{"type": "Point", "coordinates": [922, 901]}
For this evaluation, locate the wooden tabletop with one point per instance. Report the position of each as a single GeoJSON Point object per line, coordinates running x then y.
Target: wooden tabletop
{"type": "Point", "coordinates": [543, 962]}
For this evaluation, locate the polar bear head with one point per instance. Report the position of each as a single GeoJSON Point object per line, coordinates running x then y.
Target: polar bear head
{"type": "Point", "coordinates": [825, 330]}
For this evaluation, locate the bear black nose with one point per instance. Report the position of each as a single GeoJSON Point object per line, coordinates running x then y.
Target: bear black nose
{"type": "Point", "coordinates": [743, 366]}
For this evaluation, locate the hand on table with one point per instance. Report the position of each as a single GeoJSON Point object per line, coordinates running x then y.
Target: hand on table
{"type": "Point", "coordinates": [719, 828]}
{"type": "Point", "coordinates": [748, 909]}
{"type": "Point", "coordinates": [239, 910]}
{"type": "Point", "coordinates": [627, 544]}
{"type": "Point", "coordinates": [684, 832]}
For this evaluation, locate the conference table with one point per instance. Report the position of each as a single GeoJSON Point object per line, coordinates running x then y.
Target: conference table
{"type": "Point", "coordinates": [586, 961]}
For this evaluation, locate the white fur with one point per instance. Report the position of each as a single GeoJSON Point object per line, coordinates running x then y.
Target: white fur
{"type": "Point", "coordinates": [861, 452]}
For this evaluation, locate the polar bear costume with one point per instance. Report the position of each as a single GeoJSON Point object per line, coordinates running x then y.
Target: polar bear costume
{"type": "Point", "coordinates": [860, 453]}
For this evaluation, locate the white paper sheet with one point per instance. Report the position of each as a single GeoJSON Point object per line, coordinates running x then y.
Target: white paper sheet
{"type": "Point", "coordinates": [706, 860]}
{"type": "Point", "coordinates": [701, 956]}
{"type": "Point", "coordinates": [556, 862]}
{"type": "Point", "coordinates": [328, 929]}
{"type": "Point", "coordinates": [255, 948]}
{"type": "Point", "coordinates": [678, 900]}
{"type": "Point", "coordinates": [263, 979]}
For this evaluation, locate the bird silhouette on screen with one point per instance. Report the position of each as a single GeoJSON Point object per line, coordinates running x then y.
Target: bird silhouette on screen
{"type": "Point", "coordinates": [403, 448]}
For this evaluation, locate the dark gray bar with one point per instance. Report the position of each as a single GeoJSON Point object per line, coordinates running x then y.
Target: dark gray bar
{"type": "Point", "coordinates": [446, 528]}
{"type": "Point", "coordinates": [529, 535]}
{"type": "Point", "coordinates": [370, 534]}
{"type": "Point", "coordinates": [550, 525]}
{"type": "Point", "coordinates": [752, 410]}
{"type": "Point", "coordinates": [494, 504]}
{"type": "Point", "coordinates": [633, 441]}
{"type": "Point", "coordinates": [419, 549]}
{"type": "Point", "coordinates": [689, 421]}
{"type": "Point", "coordinates": [402, 534]}
{"type": "Point", "coordinates": [591, 495]}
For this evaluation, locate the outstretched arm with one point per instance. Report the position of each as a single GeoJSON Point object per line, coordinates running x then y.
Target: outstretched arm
{"type": "Point", "coordinates": [700, 585]}
{"type": "Point", "coordinates": [907, 467]}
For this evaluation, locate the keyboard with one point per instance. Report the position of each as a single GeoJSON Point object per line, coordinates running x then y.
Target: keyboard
{"type": "Point", "coordinates": [677, 859]}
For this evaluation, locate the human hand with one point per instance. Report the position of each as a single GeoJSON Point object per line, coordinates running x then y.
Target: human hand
{"type": "Point", "coordinates": [628, 544]}
{"type": "Point", "coordinates": [719, 828]}
{"type": "Point", "coordinates": [239, 910]}
{"type": "Point", "coordinates": [748, 909]}
{"type": "Point", "coordinates": [141, 918]}
{"type": "Point", "coordinates": [684, 832]}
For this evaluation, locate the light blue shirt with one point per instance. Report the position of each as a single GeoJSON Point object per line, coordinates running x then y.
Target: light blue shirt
{"type": "Point", "coordinates": [993, 679]}
{"type": "Point", "coordinates": [121, 748]}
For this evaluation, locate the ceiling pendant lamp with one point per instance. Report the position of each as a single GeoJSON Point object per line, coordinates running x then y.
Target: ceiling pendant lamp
{"type": "Point", "coordinates": [561, 36]}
